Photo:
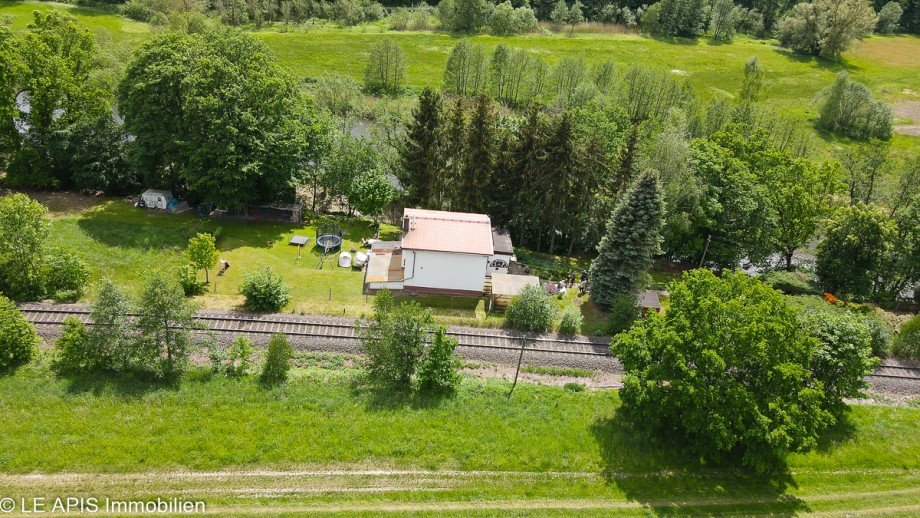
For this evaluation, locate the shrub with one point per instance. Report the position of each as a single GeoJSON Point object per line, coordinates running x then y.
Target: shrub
{"type": "Point", "coordinates": [850, 109]}
{"type": "Point", "coordinates": [826, 28]}
{"type": "Point", "coordinates": [623, 313]}
{"type": "Point", "coordinates": [439, 369]}
{"type": "Point", "coordinates": [277, 361]}
{"type": "Point", "coordinates": [238, 359]}
{"type": "Point", "coordinates": [64, 275]}
{"type": "Point", "coordinates": [18, 337]}
{"type": "Point", "coordinates": [394, 341]}
{"type": "Point", "coordinates": [188, 280]}
{"type": "Point", "coordinates": [23, 231]}
{"type": "Point", "coordinates": [844, 357]}
{"type": "Point", "coordinates": [570, 323]}
{"type": "Point", "coordinates": [790, 283]}
{"type": "Point", "coordinates": [531, 311]}
{"type": "Point", "coordinates": [907, 341]}
{"type": "Point", "coordinates": [264, 290]}
{"type": "Point", "coordinates": [73, 350]}
{"type": "Point", "coordinates": [112, 343]}
{"type": "Point", "coordinates": [574, 387]}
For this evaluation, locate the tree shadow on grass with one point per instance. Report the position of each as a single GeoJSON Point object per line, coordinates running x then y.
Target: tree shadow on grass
{"type": "Point", "coordinates": [379, 397]}
{"type": "Point", "coordinates": [669, 480]}
{"type": "Point", "coordinates": [125, 385]}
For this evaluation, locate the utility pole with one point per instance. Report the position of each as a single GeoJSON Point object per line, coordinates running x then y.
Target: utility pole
{"type": "Point", "coordinates": [705, 249]}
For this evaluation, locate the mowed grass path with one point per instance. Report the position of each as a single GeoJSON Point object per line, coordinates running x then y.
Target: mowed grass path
{"type": "Point", "coordinates": [322, 442]}
{"type": "Point", "coordinates": [889, 65]}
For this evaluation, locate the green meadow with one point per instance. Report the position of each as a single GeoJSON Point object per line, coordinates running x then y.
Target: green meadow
{"type": "Point", "coordinates": [889, 65]}
{"type": "Point", "coordinates": [325, 442]}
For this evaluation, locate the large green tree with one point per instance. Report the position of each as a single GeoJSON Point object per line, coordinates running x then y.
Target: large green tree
{"type": "Point", "coordinates": [213, 114]}
{"type": "Point", "coordinates": [421, 159]}
{"type": "Point", "coordinates": [826, 28]}
{"type": "Point", "coordinates": [473, 191]}
{"type": "Point", "coordinates": [725, 371]}
{"type": "Point", "coordinates": [855, 243]}
{"type": "Point", "coordinates": [633, 237]}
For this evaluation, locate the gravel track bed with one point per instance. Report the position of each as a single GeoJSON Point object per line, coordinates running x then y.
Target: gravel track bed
{"type": "Point", "coordinates": [347, 344]}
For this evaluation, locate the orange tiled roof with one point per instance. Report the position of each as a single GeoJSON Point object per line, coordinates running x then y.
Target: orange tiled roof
{"type": "Point", "coordinates": [442, 231]}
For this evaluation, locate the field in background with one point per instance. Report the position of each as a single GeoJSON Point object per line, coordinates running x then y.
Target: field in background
{"type": "Point", "coordinates": [323, 442]}
{"type": "Point", "coordinates": [888, 65]}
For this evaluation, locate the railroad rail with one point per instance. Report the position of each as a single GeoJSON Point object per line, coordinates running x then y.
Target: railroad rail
{"type": "Point", "coordinates": [330, 328]}
{"type": "Point", "coordinates": [338, 329]}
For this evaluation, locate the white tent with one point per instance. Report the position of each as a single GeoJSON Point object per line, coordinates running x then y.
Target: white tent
{"type": "Point", "coordinates": [345, 260]}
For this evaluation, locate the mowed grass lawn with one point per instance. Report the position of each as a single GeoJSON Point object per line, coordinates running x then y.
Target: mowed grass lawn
{"type": "Point", "coordinates": [127, 244]}
{"type": "Point", "coordinates": [323, 442]}
{"type": "Point", "coordinates": [889, 65]}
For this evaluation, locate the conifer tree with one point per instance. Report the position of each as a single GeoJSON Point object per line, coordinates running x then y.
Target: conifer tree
{"type": "Point", "coordinates": [633, 237]}
{"type": "Point", "coordinates": [421, 157]}
{"type": "Point", "coordinates": [524, 159]}
{"type": "Point", "coordinates": [558, 171]}
{"type": "Point", "coordinates": [476, 178]}
{"type": "Point", "coordinates": [454, 154]}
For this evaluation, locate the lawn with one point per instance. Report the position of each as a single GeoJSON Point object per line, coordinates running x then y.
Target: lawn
{"type": "Point", "coordinates": [887, 64]}
{"type": "Point", "coordinates": [126, 244]}
{"type": "Point", "coordinates": [323, 442]}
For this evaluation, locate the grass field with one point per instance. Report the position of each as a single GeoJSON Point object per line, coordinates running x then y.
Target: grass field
{"type": "Point", "coordinates": [126, 244]}
{"type": "Point", "coordinates": [889, 65]}
{"type": "Point", "coordinates": [325, 443]}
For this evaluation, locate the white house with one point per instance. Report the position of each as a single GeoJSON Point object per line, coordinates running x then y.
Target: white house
{"type": "Point", "coordinates": [444, 253]}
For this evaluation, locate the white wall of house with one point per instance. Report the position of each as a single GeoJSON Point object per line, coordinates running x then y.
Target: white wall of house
{"type": "Point", "coordinates": [444, 270]}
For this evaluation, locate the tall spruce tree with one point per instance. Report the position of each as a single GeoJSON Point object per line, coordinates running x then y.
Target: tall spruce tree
{"type": "Point", "coordinates": [421, 155]}
{"type": "Point", "coordinates": [481, 147]}
{"type": "Point", "coordinates": [558, 172]}
{"type": "Point", "coordinates": [633, 237]}
{"type": "Point", "coordinates": [523, 160]}
{"type": "Point", "coordinates": [454, 154]}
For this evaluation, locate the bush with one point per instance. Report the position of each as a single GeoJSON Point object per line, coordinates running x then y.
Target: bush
{"type": "Point", "coordinates": [73, 348]}
{"type": "Point", "coordinates": [439, 369]}
{"type": "Point", "coordinates": [188, 280]}
{"type": "Point", "coordinates": [570, 323]}
{"type": "Point", "coordinates": [531, 311]}
{"type": "Point", "coordinates": [264, 290]}
{"type": "Point", "coordinates": [850, 109]}
{"type": "Point", "coordinates": [277, 361]}
{"type": "Point", "coordinates": [112, 338]}
{"type": "Point", "coordinates": [844, 357]}
{"type": "Point", "coordinates": [238, 359]}
{"type": "Point", "coordinates": [790, 283]}
{"type": "Point", "coordinates": [623, 313]}
{"type": "Point", "coordinates": [64, 276]}
{"type": "Point", "coordinates": [394, 341]}
{"type": "Point", "coordinates": [18, 337]}
{"type": "Point", "coordinates": [907, 341]}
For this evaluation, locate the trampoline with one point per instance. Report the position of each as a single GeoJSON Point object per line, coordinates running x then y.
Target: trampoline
{"type": "Point", "coordinates": [329, 239]}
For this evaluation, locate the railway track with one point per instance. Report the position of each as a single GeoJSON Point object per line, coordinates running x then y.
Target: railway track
{"type": "Point", "coordinates": [322, 328]}
{"type": "Point", "coordinates": [339, 329]}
